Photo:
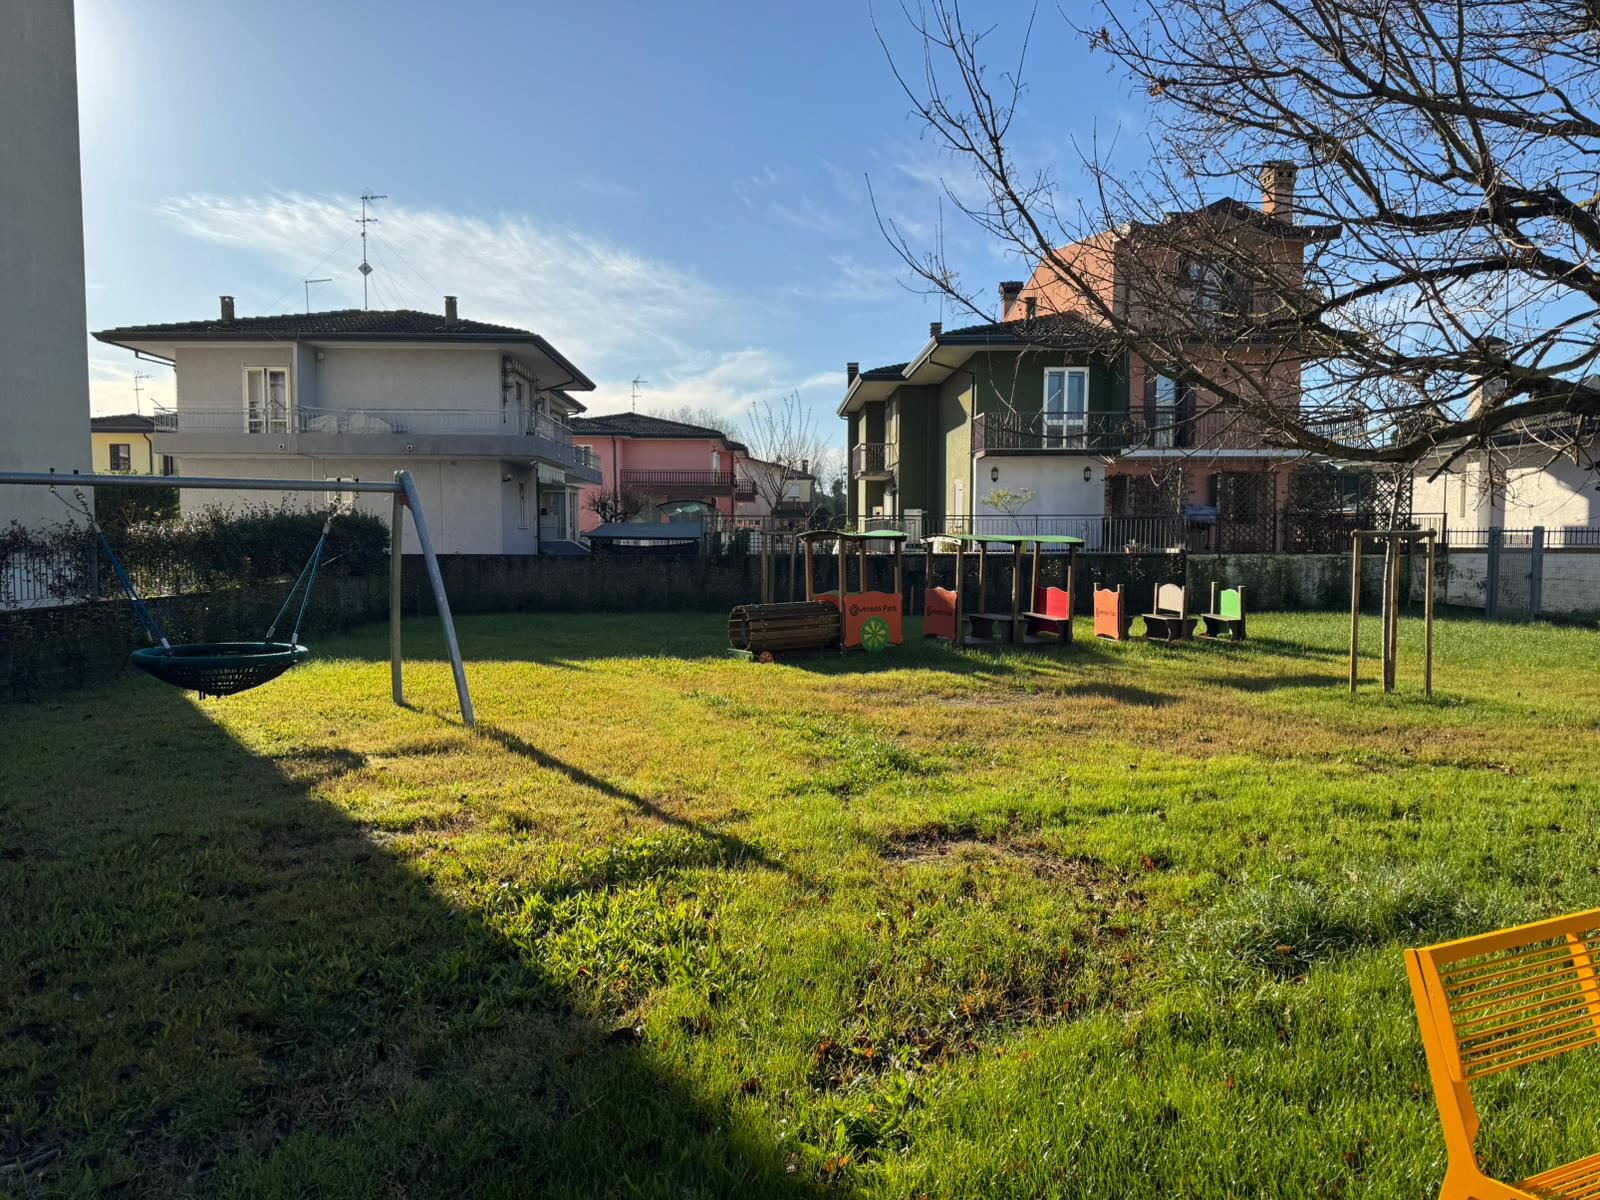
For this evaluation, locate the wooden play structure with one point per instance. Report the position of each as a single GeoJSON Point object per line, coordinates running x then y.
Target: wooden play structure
{"type": "Point", "coordinates": [1169, 620]}
{"type": "Point", "coordinates": [835, 619]}
{"type": "Point", "coordinates": [1393, 541]}
{"type": "Point", "coordinates": [1044, 620]}
{"type": "Point", "coordinates": [1111, 620]}
{"type": "Point", "coordinates": [1225, 621]}
{"type": "Point", "coordinates": [1499, 1002]}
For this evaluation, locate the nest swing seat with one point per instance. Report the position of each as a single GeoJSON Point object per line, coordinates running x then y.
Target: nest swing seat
{"type": "Point", "coordinates": [219, 668]}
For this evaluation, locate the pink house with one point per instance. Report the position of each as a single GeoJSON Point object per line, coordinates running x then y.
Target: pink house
{"type": "Point", "coordinates": [685, 470]}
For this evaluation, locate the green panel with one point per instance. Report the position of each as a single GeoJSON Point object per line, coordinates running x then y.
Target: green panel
{"type": "Point", "coordinates": [1231, 605]}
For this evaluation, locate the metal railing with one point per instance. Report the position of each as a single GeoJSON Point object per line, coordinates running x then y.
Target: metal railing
{"type": "Point", "coordinates": [1146, 428]}
{"type": "Point", "coordinates": [873, 458]}
{"type": "Point", "coordinates": [313, 419]}
{"type": "Point", "coordinates": [674, 479]}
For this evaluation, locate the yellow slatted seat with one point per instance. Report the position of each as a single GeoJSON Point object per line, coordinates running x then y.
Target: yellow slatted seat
{"type": "Point", "coordinates": [1498, 1001]}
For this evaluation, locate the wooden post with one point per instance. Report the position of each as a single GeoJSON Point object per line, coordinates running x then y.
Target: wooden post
{"type": "Point", "coordinates": [1391, 608]}
{"type": "Point", "coordinates": [1427, 626]}
{"type": "Point", "coordinates": [1016, 593]}
{"type": "Point", "coordinates": [960, 638]}
{"type": "Point", "coordinates": [861, 567]}
{"type": "Point", "coordinates": [983, 574]}
{"type": "Point", "coordinates": [811, 578]}
{"type": "Point", "coordinates": [794, 546]}
{"type": "Point", "coordinates": [844, 560]}
{"type": "Point", "coordinates": [927, 572]}
{"type": "Point", "coordinates": [396, 538]}
{"type": "Point", "coordinates": [1355, 605]}
{"type": "Point", "coordinates": [899, 572]}
{"type": "Point", "coordinates": [1072, 588]}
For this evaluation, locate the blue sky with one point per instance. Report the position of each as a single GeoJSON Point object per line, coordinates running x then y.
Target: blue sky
{"type": "Point", "coordinates": [673, 191]}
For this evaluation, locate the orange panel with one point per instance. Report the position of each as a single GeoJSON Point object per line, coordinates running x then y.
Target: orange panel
{"type": "Point", "coordinates": [861, 607]}
{"type": "Point", "coordinates": [939, 613]}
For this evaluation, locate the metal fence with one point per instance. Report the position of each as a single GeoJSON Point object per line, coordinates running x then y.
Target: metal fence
{"type": "Point", "coordinates": [58, 575]}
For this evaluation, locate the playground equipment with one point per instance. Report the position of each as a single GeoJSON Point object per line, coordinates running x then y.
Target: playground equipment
{"type": "Point", "coordinates": [1393, 540]}
{"type": "Point", "coordinates": [1226, 615]}
{"type": "Point", "coordinates": [1045, 621]}
{"type": "Point", "coordinates": [862, 619]}
{"type": "Point", "coordinates": [1496, 1002]}
{"type": "Point", "coordinates": [223, 668]}
{"type": "Point", "coordinates": [1169, 620]}
{"type": "Point", "coordinates": [1111, 620]}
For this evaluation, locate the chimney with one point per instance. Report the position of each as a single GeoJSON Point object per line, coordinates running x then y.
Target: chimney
{"type": "Point", "coordinates": [1009, 291]}
{"type": "Point", "coordinates": [805, 466]}
{"type": "Point", "coordinates": [935, 328]}
{"type": "Point", "coordinates": [227, 310]}
{"type": "Point", "coordinates": [1277, 188]}
{"type": "Point", "coordinates": [1030, 307]}
{"type": "Point", "coordinates": [449, 310]}
{"type": "Point", "coordinates": [1486, 389]}
{"type": "Point", "coordinates": [851, 370]}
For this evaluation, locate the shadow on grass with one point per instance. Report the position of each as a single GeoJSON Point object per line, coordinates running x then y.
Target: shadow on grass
{"type": "Point", "coordinates": [1272, 683]}
{"type": "Point", "coordinates": [216, 981]}
{"type": "Point", "coordinates": [735, 850]}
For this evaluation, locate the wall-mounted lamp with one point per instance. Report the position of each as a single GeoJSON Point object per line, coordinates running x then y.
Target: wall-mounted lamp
{"type": "Point", "coordinates": [1088, 474]}
{"type": "Point", "coordinates": [994, 474]}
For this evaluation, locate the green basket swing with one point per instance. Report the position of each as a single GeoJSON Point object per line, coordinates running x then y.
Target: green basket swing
{"type": "Point", "coordinates": [219, 668]}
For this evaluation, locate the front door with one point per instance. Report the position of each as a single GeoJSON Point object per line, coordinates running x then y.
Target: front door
{"type": "Point", "coordinates": [552, 516]}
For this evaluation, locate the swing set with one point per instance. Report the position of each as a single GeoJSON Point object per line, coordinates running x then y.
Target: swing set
{"type": "Point", "coordinates": [225, 668]}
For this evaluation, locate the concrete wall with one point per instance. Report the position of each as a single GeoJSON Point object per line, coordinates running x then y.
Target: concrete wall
{"type": "Point", "coordinates": [44, 374]}
{"type": "Point", "coordinates": [1057, 482]}
{"type": "Point", "coordinates": [434, 377]}
{"type": "Point", "coordinates": [1571, 580]}
{"type": "Point", "coordinates": [462, 500]}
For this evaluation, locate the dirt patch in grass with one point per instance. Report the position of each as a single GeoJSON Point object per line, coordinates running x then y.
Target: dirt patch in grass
{"type": "Point", "coordinates": [1087, 874]}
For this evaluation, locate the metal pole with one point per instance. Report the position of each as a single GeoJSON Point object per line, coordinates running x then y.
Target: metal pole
{"type": "Point", "coordinates": [397, 531]}
{"type": "Point", "coordinates": [1355, 605]}
{"type": "Point", "coordinates": [1427, 626]}
{"type": "Point", "coordinates": [1016, 593]}
{"type": "Point", "coordinates": [1072, 588]}
{"type": "Point", "coordinates": [208, 482]}
{"type": "Point", "coordinates": [403, 478]}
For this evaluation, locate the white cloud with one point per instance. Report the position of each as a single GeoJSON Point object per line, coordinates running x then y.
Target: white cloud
{"type": "Point", "coordinates": [589, 296]}
{"type": "Point", "coordinates": [111, 385]}
{"type": "Point", "coordinates": [852, 280]}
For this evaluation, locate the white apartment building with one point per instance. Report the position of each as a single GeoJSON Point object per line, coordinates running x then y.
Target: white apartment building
{"type": "Point", "coordinates": [478, 413]}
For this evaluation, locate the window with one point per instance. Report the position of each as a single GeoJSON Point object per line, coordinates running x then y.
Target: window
{"type": "Point", "coordinates": [1164, 414]}
{"type": "Point", "coordinates": [522, 506]}
{"type": "Point", "coordinates": [169, 464]}
{"type": "Point", "coordinates": [1215, 287]}
{"type": "Point", "coordinates": [1066, 404]}
{"type": "Point", "coordinates": [266, 400]}
{"type": "Point", "coordinates": [121, 456]}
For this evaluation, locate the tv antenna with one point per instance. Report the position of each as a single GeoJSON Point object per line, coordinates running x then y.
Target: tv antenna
{"type": "Point", "coordinates": [637, 384]}
{"type": "Point", "coordinates": [138, 386]}
{"type": "Point", "coordinates": [366, 267]}
{"type": "Point", "coordinates": [308, 284]}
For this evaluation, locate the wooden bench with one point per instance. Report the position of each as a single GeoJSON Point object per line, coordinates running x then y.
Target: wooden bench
{"type": "Point", "coordinates": [1051, 617]}
{"type": "Point", "coordinates": [1110, 614]}
{"type": "Point", "coordinates": [988, 628]}
{"type": "Point", "coordinates": [1496, 1002]}
{"type": "Point", "coordinates": [1226, 618]}
{"type": "Point", "coordinates": [1169, 621]}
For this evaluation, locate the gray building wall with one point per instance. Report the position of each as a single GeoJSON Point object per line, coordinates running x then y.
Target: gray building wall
{"type": "Point", "coordinates": [44, 373]}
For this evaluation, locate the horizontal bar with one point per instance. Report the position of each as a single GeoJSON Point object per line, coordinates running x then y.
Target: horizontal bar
{"type": "Point", "coordinates": [51, 479]}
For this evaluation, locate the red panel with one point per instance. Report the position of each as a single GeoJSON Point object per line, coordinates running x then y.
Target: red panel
{"type": "Point", "coordinates": [939, 613]}
{"type": "Point", "coordinates": [1052, 602]}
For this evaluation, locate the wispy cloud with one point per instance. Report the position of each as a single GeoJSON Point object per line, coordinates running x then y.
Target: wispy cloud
{"type": "Point", "coordinates": [782, 194]}
{"type": "Point", "coordinates": [851, 280]}
{"type": "Point", "coordinates": [591, 296]}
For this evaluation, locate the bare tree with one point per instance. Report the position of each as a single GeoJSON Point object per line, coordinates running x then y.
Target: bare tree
{"type": "Point", "coordinates": [1421, 273]}
{"type": "Point", "coordinates": [623, 504]}
{"type": "Point", "coordinates": [696, 414]}
{"type": "Point", "coordinates": [782, 437]}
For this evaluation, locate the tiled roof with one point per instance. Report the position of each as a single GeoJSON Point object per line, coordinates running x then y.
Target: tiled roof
{"type": "Point", "coordinates": [641, 425]}
{"type": "Point", "coordinates": [122, 423]}
{"type": "Point", "coordinates": [1050, 328]}
{"type": "Point", "coordinates": [892, 371]}
{"type": "Point", "coordinates": [345, 322]}
{"type": "Point", "coordinates": [1239, 211]}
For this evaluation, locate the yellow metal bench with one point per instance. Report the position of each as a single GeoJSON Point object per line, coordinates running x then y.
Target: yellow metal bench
{"type": "Point", "coordinates": [1498, 1001]}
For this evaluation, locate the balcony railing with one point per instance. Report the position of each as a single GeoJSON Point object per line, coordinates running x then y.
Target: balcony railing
{"type": "Point", "coordinates": [873, 458]}
{"type": "Point", "coordinates": [308, 419]}
{"type": "Point", "coordinates": [671, 479]}
{"type": "Point", "coordinates": [1147, 428]}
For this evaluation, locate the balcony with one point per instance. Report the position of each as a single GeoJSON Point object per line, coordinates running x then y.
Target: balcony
{"type": "Point", "coordinates": [873, 460]}
{"type": "Point", "coordinates": [1150, 430]}
{"type": "Point", "coordinates": [676, 484]}
{"type": "Point", "coordinates": [440, 432]}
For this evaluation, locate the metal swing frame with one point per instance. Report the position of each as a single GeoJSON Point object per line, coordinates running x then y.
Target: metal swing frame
{"type": "Point", "coordinates": [401, 488]}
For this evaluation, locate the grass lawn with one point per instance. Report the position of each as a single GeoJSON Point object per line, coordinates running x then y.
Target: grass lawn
{"type": "Point", "coordinates": [1124, 922]}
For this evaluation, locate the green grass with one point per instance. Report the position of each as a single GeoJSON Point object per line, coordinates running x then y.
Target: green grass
{"type": "Point", "coordinates": [1124, 922]}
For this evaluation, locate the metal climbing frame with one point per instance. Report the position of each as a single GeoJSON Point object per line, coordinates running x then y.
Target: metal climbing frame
{"type": "Point", "coordinates": [401, 488]}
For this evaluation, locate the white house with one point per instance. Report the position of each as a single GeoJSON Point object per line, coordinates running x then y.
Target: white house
{"type": "Point", "coordinates": [1519, 482]}
{"type": "Point", "coordinates": [476, 412]}
{"type": "Point", "coordinates": [44, 374]}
